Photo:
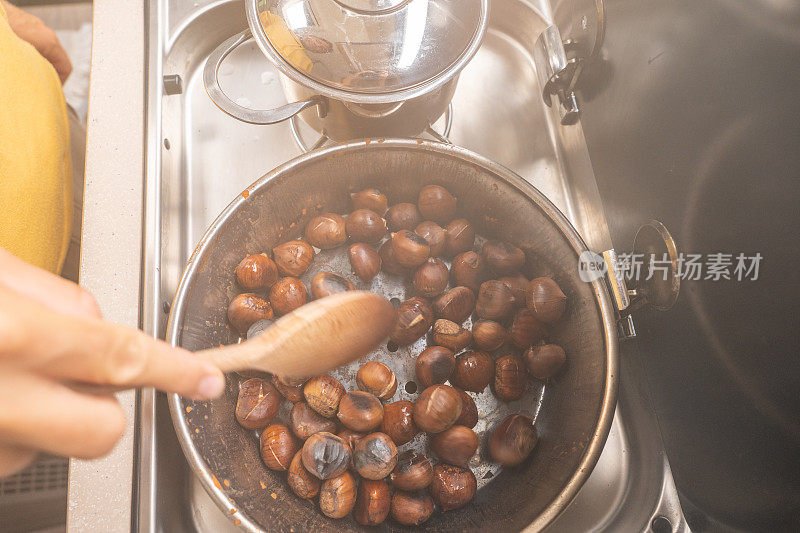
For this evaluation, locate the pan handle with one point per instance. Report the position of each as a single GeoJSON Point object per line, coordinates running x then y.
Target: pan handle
{"type": "Point", "coordinates": [251, 116]}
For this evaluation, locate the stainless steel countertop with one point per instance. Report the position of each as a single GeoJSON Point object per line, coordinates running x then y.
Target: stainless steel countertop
{"type": "Point", "coordinates": [100, 491]}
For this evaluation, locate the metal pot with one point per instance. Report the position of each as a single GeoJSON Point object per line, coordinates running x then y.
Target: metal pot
{"type": "Point", "coordinates": [573, 411]}
{"type": "Point", "coordinates": [357, 68]}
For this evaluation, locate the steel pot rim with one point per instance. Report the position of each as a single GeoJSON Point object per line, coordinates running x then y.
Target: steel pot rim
{"type": "Point", "coordinates": [606, 416]}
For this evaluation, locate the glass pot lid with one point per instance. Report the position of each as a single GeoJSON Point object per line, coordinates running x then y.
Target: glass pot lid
{"type": "Point", "coordinates": [367, 48]}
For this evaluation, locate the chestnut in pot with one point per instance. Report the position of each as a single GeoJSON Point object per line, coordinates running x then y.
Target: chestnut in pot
{"type": "Point", "coordinates": [326, 455]}
{"type": "Point", "coordinates": [259, 327]}
{"type": "Point", "coordinates": [434, 365]}
{"type": "Point", "coordinates": [526, 329]}
{"type": "Point", "coordinates": [450, 335]}
{"type": "Point", "coordinates": [403, 216]}
{"type": "Point", "coordinates": [473, 371]}
{"type": "Point", "coordinates": [544, 361]}
{"type": "Point", "coordinates": [337, 495]}
{"type": "Point", "coordinates": [411, 508]}
{"type": "Point", "coordinates": [469, 411]}
{"type": "Point", "coordinates": [256, 272]}
{"type": "Point", "coordinates": [488, 335]}
{"type": "Point", "coordinates": [437, 408]}
{"type": "Point", "coordinates": [364, 260]}
{"type": "Point", "coordinates": [377, 378]}
{"type": "Point", "coordinates": [518, 285]}
{"type": "Point", "coordinates": [414, 317]}
{"type": "Point", "coordinates": [503, 257]}
{"type": "Point", "coordinates": [370, 199]}
{"type": "Point", "coordinates": [365, 225]}
{"type": "Point", "coordinates": [398, 422]}
{"type": "Point", "coordinates": [323, 394]}
{"type": "Point", "coordinates": [360, 411]}
{"type": "Point", "coordinates": [452, 486]}
{"type": "Point", "coordinates": [293, 258]}
{"type": "Point", "coordinates": [455, 445]}
{"type": "Point", "coordinates": [375, 456]}
{"type": "Point", "coordinates": [414, 471]}
{"type": "Point", "coordinates": [287, 295]}
{"type": "Point", "coordinates": [430, 278]}
{"type": "Point", "coordinates": [546, 299]}
{"type": "Point", "coordinates": [437, 204]}
{"type": "Point", "coordinates": [469, 270]}
{"type": "Point", "coordinates": [257, 404]}
{"type": "Point", "coordinates": [350, 438]}
{"type": "Point", "coordinates": [293, 393]}
{"type": "Point", "coordinates": [509, 378]}
{"type": "Point", "coordinates": [278, 447]}
{"type": "Point", "coordinates": [246, 309]}
{"type": "Point", "coordinates": [434, 234]}
{"type": "Point", "coordinates": [410, 250]}
{"type": "Point", "coordinates": [327, 283]}
{"type": "Point", "coordinates": [326, 231]}
{"type": "Point", "coordinates": [372, 503]}
{"type": "Point", "coordinates": [301, 481]}
{"type": "Point", "coordinates": [513, 440]}
{"type": "Point", "coordinates": [495, 301]}
{"type": "Point", "coordinates": [306, 422]}
{"type": "Point", "coordinates": [389, 263]}
{"type": "Point", "coordinates": [456, 304]}
{"type": "Point", "coordinates": [459, 236]}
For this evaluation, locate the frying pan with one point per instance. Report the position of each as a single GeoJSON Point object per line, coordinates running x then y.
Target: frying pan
{"type": "Point", "coordinates": [573, 410]}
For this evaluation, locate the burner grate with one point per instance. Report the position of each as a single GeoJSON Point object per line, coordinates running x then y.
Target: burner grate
{"type": "Point", "coordinates": [48, 473]}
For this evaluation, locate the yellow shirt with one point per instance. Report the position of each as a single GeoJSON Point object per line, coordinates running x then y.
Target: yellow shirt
{"type": "Point", "coordinates": [35, 166]}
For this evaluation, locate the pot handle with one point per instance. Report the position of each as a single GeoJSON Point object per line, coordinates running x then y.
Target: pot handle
{"type": "Point", "coordinates": [251, 116]}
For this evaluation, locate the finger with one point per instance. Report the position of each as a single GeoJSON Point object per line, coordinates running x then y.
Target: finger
{"type": "Point", "coordinates": [56, 293]}
{"type": "Point", "coordinates": [41, 414]}
{"type": "Point", "coordinates": [93, 351]}
{"type": "Point", "coordinates": [58, 57]}
{"type": "Point", "coordinates": [14, 458]}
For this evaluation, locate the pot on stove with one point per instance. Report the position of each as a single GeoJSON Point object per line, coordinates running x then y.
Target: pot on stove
{"type": "Point", "coordinates": [357, 68]}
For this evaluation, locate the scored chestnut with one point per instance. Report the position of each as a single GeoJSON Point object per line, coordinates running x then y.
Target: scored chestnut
{"type": "Point", "coordinates": [503, 257]}
{"type": "Point", "coordinates": [301, 481]}
{"type": "Point", "coordinates": [488, 335]}
{"type": "Point", "coordinates": [287, 295]}
{"type": "Point", "coordinates": [450, 335]}
{"type": "Point", "coordinates": [323, 394]}
{"type": "Point", "coordinates": [455, 445]}
{"type": "Point", "coordinates": [350, 438]}
{"type": "Point", "coordinates": [469, 270]}
{"type": "Point", "coordinates": [437, 204]}
{"type": "Point", "coordinates": [434, 365]}
{"type": "Point", "coordinates": [327, 283]}
{"type": "Point", "coordinates": [293, 393]}
{"type": "Point", "coordinates": [526, 329]}
{"type": "Point", "coordinates": [293, 258]}
{"type": "Point", "coordinates": [459, 236]}
{"type": "Point", "coordinates": [337, 495]}
{"type": "Point", "coordinates": [256, 272]}
{"type": "Point", "coordinates": [278, 446]}
{"type": "Point", "coordinates": [389, 263]}
{"type": "Point", "coordinates": [495, 301]}
{"type": "Point", "coordinates": [509, 378]}
{"type": "Point", "coordinates": [434, 234]}
{"type": "Point", "coordinates": [456, 304]}
{"type": "Point", "coordinates": [403, 216]}
{"type": "Point", "coordinates": [398, 422]}
{"type": "Point", "coordinates": [469, 411]}
{"type": "Point", "coordinates": [326, 231]}
{"type": "Point", "coordinates": [326, 455]}
{"type": "Point", "coordinates": [546, 299]}
{"type": "Point", "coordinates": [473, 371]}
{"type": "Point", "coordinates": [257, 404]}
{"type": "Point", "coordinates": [365, 225]}
{"type": "Point", "coordinates": [410, 250]}
{"type": "Point", "coordinates": [375, 456]}
{"type": "Point", "coordinates": [411, 508]}
{"type": "Point", "coordinates": [414, 317]}
{"type": "Point", "coordinates": [365, 261]}
{"type": "Point", "coordinates": [246, 309]}
{"type": "Point", "coordinates": [544, 361]}
{"type": "Point", "coordinates": [372, 503]}
{"type": "Point", "coordinates": [452, 486]}
{"type": "Point", "coordinates": [437, 408]}
{"type": "Point", "coordinates": [518, 285]}
{"type": "Point", "coordinates": [370, 199]}
{"type": "Point", "coordinates": [431, 277]}
{"type": "Point", "coordinates": [377, 378]}
{"type": "Point", "coordinates": [306, 422]}
{"type": "Point", "coordinates": [360, 411]}
{"type": "Point", "coordinates": [414, 471]}
{"type": "Point", "coordinates": [513, 440]}
{"type": "Point", "coordinates": [259, 327]}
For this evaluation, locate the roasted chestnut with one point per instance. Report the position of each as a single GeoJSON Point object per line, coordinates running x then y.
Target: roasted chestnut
{"type": "Point", "coordinates": [452, 486]}
{"type": "Point", "coordinates": [360, 411]}
{"type": "Point", "coordinates": [544, 361]}
{"type": "Point", "coordinates": [402, 216]}
{"type": "Point", "coordinates": [370, 199]}
{"type": "Point", "coordinates": [456, 304]}
{"type": "Point", "coordinates": [469, 411]}
{"type": "Point", "coordinates": [430, 279]}
{"type": "Point", "coordinates": [434, 234]}
{"type": "Point", "coordinates": [459, 236]}
{"type": "Point", "coordinates": [287, 295]}
{"type": "Point", "coordinates": [455, 445]}
{"type": "Point", "coordinates": [526, 329]}
{"type": "Point", "coordinates": [468, 269]}
{"type": "Point", "coordinates": [434, 365]}
{"type": "Point", "coordinates": [473, 371]}
{"type": "Point", "coordinates": [410, 250]}
{"type": "Point", "coordinates": [257, 404]}
{"type": "Point", "coordinates": [259, 327]}
{"type": "Point", "coordinates": [364, 260]}
{"type": "Point", "coordinates": [293, 393]}
{"type": "Point", "coordinates": [437, 204]}
{"type": "Point", "coordinates": [337, 495]}
{"type": "Point", "coordinates": [377, 378]}
{"type": "Point", "coordinates": [256, 272]}
{"type": "Point", "coordinates": [246, 309]}
{"type": "Point", "coordinates": [488, 335]}
{"type": "Point", "coordinates": [323, 394]}
{"type": "Point", "coordinates": [411, 508]}
{"type": "Point", "coordinates": [375, 456]}
{"type": "Point", "coordinates": [398, 422]}
{"type": "Point", "coordinates": [502, 257]}
{"type": "Point", "coordinates": [546, 299]}
{"type": "Point", "coordinates": [306, 422]}
{"type": "Point", "coordinates": [518, 285]}
{"type": "Point", "coordinates": [326, 455]}
{"type": "Point", "coordinates": [301, 481]}
{"type": "Point", "coordinates": [278, 447]}
{"type": "Point", "coordinates": [327, 283]}
{"type": "Point", "coordinates": [365, 225]}
{"type": "Point", "coordinates": [495, 300]}
{"type": "Point", "coordinates": [350, 437]}
{"type": "Point", "coordinates": [414, 317]}
{"type": "Point", "coordinates": [414, 471]}
{"type": "Point", "coordinates": [293, 258]}
{"type": "Point", "coordinates": [512, 440]}
{"type": "Point", "coordinates": [450, 335]}
{"type": "Point", "coordinates": [372, 503]}
{"type": "Point", "coordinates": [509, 378]}
{"type": "Point", "coordinates": [389, 263]}
{"type": "Point", "coordinates": [437, 408]}
{"type": "Point", "coordinates": [326, 231]}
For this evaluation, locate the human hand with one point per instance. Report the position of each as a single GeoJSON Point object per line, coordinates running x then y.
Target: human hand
{"type": "Point", "coordinates": [32, 30]}
{"type": "Point", "coordinates": [53, 343]}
